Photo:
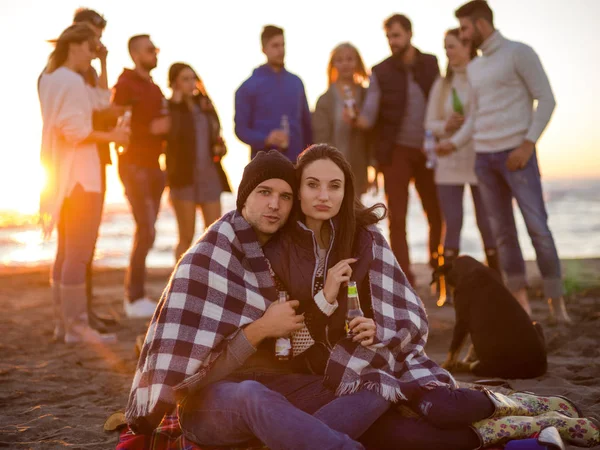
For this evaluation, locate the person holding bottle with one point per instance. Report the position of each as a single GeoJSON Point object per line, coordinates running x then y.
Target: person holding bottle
{"type": "Point", "coordinates": [337, 109]}
{"type": "Point", "coordinates": [449, 103]}
{"type": "Point", "coordinates": [271, 110]}
{"type": "Point", "coordinates": [332, 256]}
{"type": "Point", "coordinates": [72, 197]}
{"type": "Point", "coordinates": [194, 150]}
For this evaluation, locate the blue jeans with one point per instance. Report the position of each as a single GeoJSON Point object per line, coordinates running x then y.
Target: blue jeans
{"type": "Point", "coordinates": [143, 189]}
{"type": "Point", "coordinates": [451, 202]}
{"type": "Point", "coordinates": [77, 228]}
{"type": "Point", "coordinates": [283, 411]}
{"type": "Point", "coordinates": [446, 416]}
{"type": "Point", "coordinates": [498, 187]}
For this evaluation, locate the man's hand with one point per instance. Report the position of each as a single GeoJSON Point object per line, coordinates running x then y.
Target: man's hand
{"type": "Point", "coordinates": [454, 122]}
{"type": "Point", "coordinates": [361, 123]}
{"type": "Point", "coordinates": [276, 138]}
{"type": "Point", "coordinates": [445, 148]}
{"type": "Point", "coordinates": [160, 126]}
{"type": "Point", "coordinates": [518, 158]}
{"type": "Point", "coordinates": [338, 274]}
{"type": "Point", "coordinates": [280, 319]}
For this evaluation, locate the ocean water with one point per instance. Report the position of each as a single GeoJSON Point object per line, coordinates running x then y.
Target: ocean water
{"type": "Point", "coordinates": [573, 209]}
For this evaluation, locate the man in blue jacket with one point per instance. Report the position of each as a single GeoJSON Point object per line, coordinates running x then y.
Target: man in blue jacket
{"type": "Point", "coordinates": [271, 110]}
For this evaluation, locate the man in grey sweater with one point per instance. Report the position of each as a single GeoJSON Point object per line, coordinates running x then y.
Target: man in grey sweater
{"type": "Point", "coordinates": [505, 127]}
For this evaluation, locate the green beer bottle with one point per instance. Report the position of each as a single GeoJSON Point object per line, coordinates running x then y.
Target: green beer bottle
{"type": "Point", "coordinates": [353, 307]}
{"type": "Point", "coordinates": [457, 105]}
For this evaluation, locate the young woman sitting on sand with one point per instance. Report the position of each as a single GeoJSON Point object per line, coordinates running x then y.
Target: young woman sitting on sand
{"type": "Point", "coordinates": [336, 241]}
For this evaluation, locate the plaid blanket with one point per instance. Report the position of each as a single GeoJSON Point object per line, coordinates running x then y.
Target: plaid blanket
{"type": "Point", "coordinates": [396, 361]}
{"type": "Point", "coordinates": [220, 285]}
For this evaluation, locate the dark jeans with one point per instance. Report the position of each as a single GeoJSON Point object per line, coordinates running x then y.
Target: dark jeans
{"type": "Point", "coordinates": [89, 270]}
{"type": "Point", "coordinates": [143, 189]}
{"type": "Point", "coordinates": [498, 188]}
{"type": "Point", "coordinates": [408, 164]}
{"type": "Point", "coordinates": [446, 416]}
{"type": "Point", "coordinates": [77, 233]}
{"type": "Point", "coordinates": [283, 411]}
{"type": "Point", "coordinates": [451, 202]}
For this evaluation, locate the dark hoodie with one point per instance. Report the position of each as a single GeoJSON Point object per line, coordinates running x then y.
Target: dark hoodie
{"type": "Point", "coordinates": [262, 100]}
{"type": "Point", "coordinates": [146, 100]}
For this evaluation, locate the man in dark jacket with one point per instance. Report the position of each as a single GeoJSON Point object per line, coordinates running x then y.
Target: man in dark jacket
{"type": "Point", "coordinates": [395, 105]}
{"type": "Point", "coordinates": [271, 110]}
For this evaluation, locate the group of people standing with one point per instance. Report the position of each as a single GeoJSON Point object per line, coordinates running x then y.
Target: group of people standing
{"type": "Point", "coordinates": [209, 352]}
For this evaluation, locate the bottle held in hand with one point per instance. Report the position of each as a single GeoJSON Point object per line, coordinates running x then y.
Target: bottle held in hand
{"type": "Point", "coordinates": [457, 105]}
{"type": "Point", "coordinates": [353, 307]}
{"type": "Point", "coordinates": [124, 122]}
{"type": "Point", "coordinates": [350, 103]}
{"type": "Point", "coordinates": [283, 345]}
{"type": "Point", "coordinates": [285, 127]}
{"type": "Point", "coordinates": [429, 147]}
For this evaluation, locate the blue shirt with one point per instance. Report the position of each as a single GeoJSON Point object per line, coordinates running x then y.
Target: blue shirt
{"type": "Point", "coordinates": [260, 103]}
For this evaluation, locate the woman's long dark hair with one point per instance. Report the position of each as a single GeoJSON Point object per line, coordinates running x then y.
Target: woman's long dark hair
{"type": "Point", "coordinates": [353, 214]}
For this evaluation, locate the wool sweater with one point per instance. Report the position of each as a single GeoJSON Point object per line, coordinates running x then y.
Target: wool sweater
{"type": "Point", "coordinates": [506, 80]}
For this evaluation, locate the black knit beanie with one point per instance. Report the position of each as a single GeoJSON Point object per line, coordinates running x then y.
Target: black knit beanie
{"type": "Point", "coordinates": [265, 166]}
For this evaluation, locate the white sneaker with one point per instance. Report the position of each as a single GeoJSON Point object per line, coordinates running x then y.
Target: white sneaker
{"type": "Point", "coordinates": [142, 308]}
{"type": "Point", "coordinates": [84, 334]}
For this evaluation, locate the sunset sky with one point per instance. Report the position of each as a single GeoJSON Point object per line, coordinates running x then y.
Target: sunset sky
{"type": "Point", "coordinates": [221, 40]}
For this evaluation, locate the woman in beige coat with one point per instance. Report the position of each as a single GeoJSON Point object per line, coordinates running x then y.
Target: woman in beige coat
{"type": "Point", "coordinates": [449, 103]}
{"type": "Point", "coordinates": [337, 109]}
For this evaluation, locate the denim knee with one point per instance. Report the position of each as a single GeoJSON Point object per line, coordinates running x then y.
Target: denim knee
{"type": "Point", "coordinates": [252, 393]}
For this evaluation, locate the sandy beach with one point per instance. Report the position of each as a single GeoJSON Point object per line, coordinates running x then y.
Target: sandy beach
{"type": "Point", "coordinates": [57, 396]}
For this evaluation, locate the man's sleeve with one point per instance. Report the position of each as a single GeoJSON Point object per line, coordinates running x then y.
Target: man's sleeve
{"type": "Point", "coordinates": [530, 69]}
{"type": "Point", "coordinates": [244, 105]}
{"type": "Point", "coordinates": [370, 109]}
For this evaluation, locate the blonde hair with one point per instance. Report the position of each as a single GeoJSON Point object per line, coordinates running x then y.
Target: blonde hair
{"type": "Point", "coordinates": [360, 72]}
{"type": "Point", "coordinates": [75, 34]}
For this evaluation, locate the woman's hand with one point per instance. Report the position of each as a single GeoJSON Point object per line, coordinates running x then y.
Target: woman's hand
{"type": "Point", "coordinates": [454, 122]}
{"type": "Point", "coordinates": [338, 274]}
{"type": "Point", "coordinates": [364, 330]}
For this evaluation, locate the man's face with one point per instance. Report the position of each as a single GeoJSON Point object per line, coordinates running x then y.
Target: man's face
{"type": "Point", "coordinates": [145, 54]}
{"type": "Point", "coordinates": [398, 39]}
{"type": "Point", "coordinates": [274, 50]}
{"type": "Point", "coordinates": [470, 31]}
{"type": "Point", "coordinates": [98, 32]}
{"type": "Point", "coordinates": [268, 207]}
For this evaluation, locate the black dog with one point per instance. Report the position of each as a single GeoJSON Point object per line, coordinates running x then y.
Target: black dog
{"type": "Point", "coordinates": [507, 344]}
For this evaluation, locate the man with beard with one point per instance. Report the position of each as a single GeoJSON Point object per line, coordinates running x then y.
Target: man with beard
{"type": "Point", "coordinates": [395, 105]}
{"type": "Point", "coordinates": [271, 110]}
{"type": "Point", "coordinates": [139, 168]}
{"type": "Point", "coordinates": [504, 126]}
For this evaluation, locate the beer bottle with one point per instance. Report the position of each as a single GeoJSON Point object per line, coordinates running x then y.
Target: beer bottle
{"type": "Point", "coordinates": [285, 127]}
{"type": "Point", "coordinates": [457, 105]}
{"type": "Point", "coordinates": [350, 103]}
{"type": "Point", "coordinates": [353, 307]}
{"type": "Point", "coordinates": [283, 345]}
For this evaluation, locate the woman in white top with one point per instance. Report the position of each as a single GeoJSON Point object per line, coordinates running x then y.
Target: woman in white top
{"type": "Point", "coordinates": [72, 199]}
{"type": "Point", "coordinates": [449, 102]}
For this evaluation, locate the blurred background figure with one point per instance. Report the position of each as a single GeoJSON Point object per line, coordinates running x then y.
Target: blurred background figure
{"type": "Point", "coordinates": [271, 110]}
{"type": "Point", "coordinates": [449, 102]}
{"type": "Point", "coordinates": [194, 150]}
{"type": "Point", "coordinates": [72, 198]}
{"type": "Point", "coordinates": [337, 109]}
{"type": "Point", "coordinates": [139, 168]}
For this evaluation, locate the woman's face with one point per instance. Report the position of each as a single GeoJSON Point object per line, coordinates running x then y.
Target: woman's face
{"type": "Point", "coordinates": [458, 53]}
{"type": "Point", "coordinates": [186, 82]}
{"type": "Point", "coordinates": [345, 63]}
{"type": "Point", "coordinates": [83, 53]}
{"type": "Point", "coordinates": [321, 189]}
